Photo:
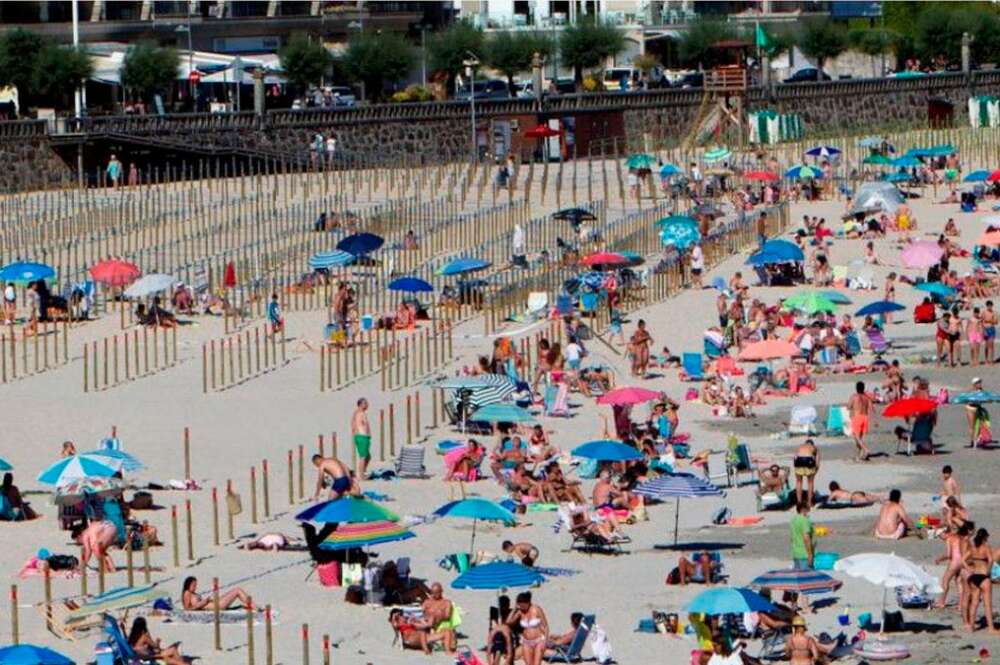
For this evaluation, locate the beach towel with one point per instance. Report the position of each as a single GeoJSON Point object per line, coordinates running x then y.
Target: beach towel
{"type": "Point", "coordinates": [207, 616]}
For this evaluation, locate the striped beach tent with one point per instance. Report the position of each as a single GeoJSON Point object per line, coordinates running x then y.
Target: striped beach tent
{"type": "Point", "coordinates": [486, 388]}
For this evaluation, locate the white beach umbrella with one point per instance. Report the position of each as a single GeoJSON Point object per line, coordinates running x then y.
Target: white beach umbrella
{"type": "Point", "coordinates": [889, 572]}
{"type": "Point", "coordinates": [148, 285]}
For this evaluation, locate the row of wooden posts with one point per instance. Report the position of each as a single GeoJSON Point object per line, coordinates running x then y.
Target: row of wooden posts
{"type": "Point", "coordinates": [49, 349]}
{"type": "Point", "coordinates": [234, 359]}
{"type": "Point", "coordinates": [120, 358]}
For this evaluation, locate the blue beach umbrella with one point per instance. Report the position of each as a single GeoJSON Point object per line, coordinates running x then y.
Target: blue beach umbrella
{"type": "Point", "coordinates": [607, 451]}
{"type": "Point", "coordinates": [79, 466]}
{"type": "Point", "coordinates": [410, 285]}
{"type": "Point", "coordinates": [899, 176]}
{"type": "Point", "coordinates": [460, 266]}
{"type": "Point", "coordinates": [879, 307]}
{"type": "Point", "coordinates": [680, 234]}
{"type": "Point", "coordinates": [823, 151]}
{"type": "Point", "coordinates": [835, 297]}
{"type": "Point", "coordinates": [976, 397]}
{"type": "Point", "coordinates": [111, 448]}
{"type": "Point", "coordinates": [674, 219]}
{"type": "Point", "coordinates": [502, 413]}
{"type": "Point", "coordinates": [497, 575]}
{"type": "Point", "coordinates": [5, 465]}
{"type": "Point", "coordinates": [29, 654]}
{"type": "Point", "coordinates": [23, 272]}
{"type": "Point", "coordinates": [640, 161]}
{"type": "Point", "coordinates": [668, 170]}
{"type": "Point", "coordinates": [776, 251]}
{"type": "Point", "coordinates": [935, 288]}
{"type": "Point", "coordinates": [729, 600]}
{"type": "Point", "coordinates": [334, 259]}
{"type": "Point", "coordinates": [360, 244]}
{"type": "Point", "coordinates": [347, 509]}
{"type": "Point", "coordinates": [803, 171]}
{"type": "Point", "coordinates": [677, 486]}
{"type": "Point", "coordinates": [977, 176]}
{"type": "Point", "coordinates": [477, 509]}
{"type": "Point", "coordinates": [907, 161]}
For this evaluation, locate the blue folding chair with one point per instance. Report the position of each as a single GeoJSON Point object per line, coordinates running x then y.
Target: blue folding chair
{"type": "Point", "coordinates": [124, 653]}
{"type": "Point", "coordinates": [572, 652]}
{"type": "Point", "coordinates": [691, 363]}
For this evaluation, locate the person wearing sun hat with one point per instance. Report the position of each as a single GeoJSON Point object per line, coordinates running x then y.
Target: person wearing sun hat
{"type": "Point", "coordinates": [978, 417]}
{"type": "Point", "coordinates": [800, 647]}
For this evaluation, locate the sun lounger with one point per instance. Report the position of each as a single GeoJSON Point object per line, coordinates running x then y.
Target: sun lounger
{"type": "Point", "coordinates": [538, 305]}
{"type": "Point", "coordinates": [919, 437]}
{"type": "Point", "coordinates": [571, 653]}
{"type": "Point", "coordinates": [64, 617]}
{"type": "Point", "coordinates": [691, 367]}
{"type": "Point", "coordinates": [877, 342]}
{"type": "Point", "coordinates": [586, 541]}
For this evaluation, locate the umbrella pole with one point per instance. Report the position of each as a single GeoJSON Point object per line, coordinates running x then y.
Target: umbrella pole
{"type": "Point", "coordinates": [881, 621]}
{"type": "Point", "coordinates": [472, 543]}
{"type": "Point", "coordinates": [677, 515]}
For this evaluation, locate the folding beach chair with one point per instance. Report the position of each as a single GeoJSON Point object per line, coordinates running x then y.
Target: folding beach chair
{"type": "Point", "coordinates": [919, 436]}
{"type": "Point", "coordinates": [722, 474]}
{"type": "Point", "coordinates": [737, 462]}
{"type": "Point", "coordinates": [410, 463]}
{"type": "Point", "coordinates": [538, 304]}
{"type": "Point", "coordinates": [829, 355]}
{"type": "Point", "coordinates": [837, 421]}
{"type": "Point", "coordinates": [69, 616]}
{"type": "Point", "coordinates": [802, 420]}
{"type": "Point", "coordinates": [585, 541]}
{"type": "Point", "coordinates": [571, 653]}
{"type": "Point", "coordinates": [712, 350]}
{"type": "Point", "coordinates": [123, 651]}
{"type": "Point", "coordinates": [692, 367]}
{"type": "Point", "coordinates": [877, 341]}
{"type": "Point", "coordinates": [556, 396]}
{"type": "Point", "coordinates": [852, 343]}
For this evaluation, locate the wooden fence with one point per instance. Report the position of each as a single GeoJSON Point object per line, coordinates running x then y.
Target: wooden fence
{"type": "Point", "coordinates": [117, 359]}
{"type": "Point", "coordinates": [235, 359]}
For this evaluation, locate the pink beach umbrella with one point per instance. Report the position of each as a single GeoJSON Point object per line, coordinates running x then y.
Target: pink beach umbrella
{"type": "Point", "coordinates": [922, 254]}
{"type": "Point", "coordinates": [627, 396]}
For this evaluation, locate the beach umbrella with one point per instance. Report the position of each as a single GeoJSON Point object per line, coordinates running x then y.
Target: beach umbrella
{"type": "Point", "coordinates": [498, 575]}
{"type": "Point", "coordinates": [909, 407]}
{"type": "Point", "coordinates": [461, 266]}
{"type": "Point", "coordinates": [720, 171]}
{"type": "Point", "coordinates": [763, 176]}
{"type": "Point", "coordinates": [477, 509]}
{"type": "Point", "coordinates": [823, 151]}
{"type": "Point", "coordinates": [502, 413]}
{"type": "Point", "coordinates": [728, 600]}
{"type": "Point", "coordinates": [334, 259]}
{"type": "Point", "coordinates": [5, 465]}
{"type": "Point", "coordinates": [410, 285]}
{"type": "Point", "coordinates": [976, 176]}
{"type": "Point", "coordinates": [939, 150]}
{"type": "Point", "coordinates": [836, 297]}
{"type": "Point", "coordinates": [349, 509]}
{"type": "Point", "coordinates": [79, 466]}
{"type": "Point", "coordinates": [486, 388]}
{"type": "Point", "coordinates": [769, 349]}
{"type": "Point", "coordinates": [604, 259]}
{"type": "Point", "coordinates": [75, 491]}
{"type": "Point", "coordinates": [676, 219]}
{"type": "Point", "coordinates": [810, 302]}
{"type": "Point", "coordinates": [29, 654]}
{"type": "Point", "coordinates": [875, 142]}
{"type": "Point", "coordinates": [149, 284]}
{"type": "Point", "coordinates": [668, 170]}
{"type": "Point", "coordinates": [114, 272]}
{"type": "Point", "coordinates": [877, 160]}
{"type": "Point", "coordinates": [541, 132]}
{"type": "Point", "coordinates": [677, 486]}
{"type": "Point", "coordinates": [716, 155]}
{"type": "Point", "coordinates": [23, 272]}
{"type": "Point", "coordinates": [879, 307]}
{"type": "Point", "coordinates": [935, 288]}
{"type": "Point", "coordinates": [365, 534]}
{"type": "Point", "coordinates": [606, 450]}
{"type": "Point", "coordinates": [804, 171]}
{"type": "Point", "coordinates": [360, 244]}
{"type": "Point", "coordinates": [907, 161]}
{"type": "Point", "coordinates": [680, 234]}
{"type": "Point", "coordinates": [976, 397]}
{"type": "Point", "coordinates": [121, 598]}
{"type": "Point", "coordinates": [993, 176]}
{"type": "Point", "coordinates": [901, 176]}
{"type": "Point", "coordinates": [640, 161]}
{"type": "Point", "coordinates": [776, 251]}
{"type": "Point", "coordinates": [921, 254]}
{"type": "Point", "coordinates": [574, 215]}
{"type": "Point", "coordinates": [628, 395]}
{"type": "Point", "coordinates": [229, 276]}
{"type": "Point", "coordinates": [887, 571]}
{"type": "Point", "coordinates": [807, 582]}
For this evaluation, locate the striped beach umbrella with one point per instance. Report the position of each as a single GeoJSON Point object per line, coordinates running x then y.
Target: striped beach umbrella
{"type": "Point", "coordinates": [677, 486]}
{"type": "Point", "coordinates": [486, 388]}
{"type": "Point", "coordinates": [365, 534]}
{"type": "Point", "coordinates": [122, 598]}
{"type": "Point", "coordinates": [79, 466]}
{"type": "Point", "coordinates": [716, 155]}
{"type": "Point", "coordinates": [347, 509]}
{"type": "Point", "coordinates": [334, 259]}
{"type": "Point", "coordinates": [498, 575]}
{"type": "Point", "coordinates": [803, 171]}
{"type": "Point", "coordinates": [800, 581]}
{"type": "Point", "coordinates": [77, 490]}
{"type": "Point", "coordinates": [823, 151]}
{"type": "Point", "coordinates": [112, 448]}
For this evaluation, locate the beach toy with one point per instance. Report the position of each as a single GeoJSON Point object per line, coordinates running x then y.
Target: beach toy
{"type": "Point", "coordinates": [825, 560]}
{"type": "Point", "coordinates": [864, 619]}
{"type": "Point", "coordinates": [366, 322]}
{"type": "Point", "coordinates": [844, 618]}
{"type": "Point", "coordinates": [879, 650]}
{"type": "Point", "coordinates": [44, 554]}
{"type": "Point", "coordinates": [821, 531]}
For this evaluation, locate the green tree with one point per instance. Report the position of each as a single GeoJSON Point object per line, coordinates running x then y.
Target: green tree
{"type": "Point", "coordinates": [511, 53]}
{"type": "Point", "coordinates": [304, 62]}
{"type": "Point", "coordinates": [449, 49]}
{"type": "Point", "coordinates": [938, 32]}
{"type": "Point", "coordinates": [375, 58]}
{"type": "Point", "coordinates": [149, 70]}
{"type": "Point", "coordinates": [875, 43]}
{"type": "Point", "coordinates": [588, 44]}
{"type": "Point", "coordinates": [822, 40]}
{"type": "Point", "coordinates": [697, 45]}
{"type": "Point", "coordinates": [19, 51]}
{"type": "Point", "coordinates": [59, 72]}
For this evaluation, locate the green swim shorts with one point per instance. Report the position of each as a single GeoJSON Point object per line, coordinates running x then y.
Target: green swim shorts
{"type": "Point", "coordinates": [363, 444]}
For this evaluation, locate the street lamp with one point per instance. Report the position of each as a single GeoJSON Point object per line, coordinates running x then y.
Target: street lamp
{"type": "Point", "coordinates": [470, 70]}
{"type": "Point", "coordinates": [192, 91]}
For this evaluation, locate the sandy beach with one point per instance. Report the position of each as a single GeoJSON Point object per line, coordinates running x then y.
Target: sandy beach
{"type": "Point", "coordinates": [267, 416]}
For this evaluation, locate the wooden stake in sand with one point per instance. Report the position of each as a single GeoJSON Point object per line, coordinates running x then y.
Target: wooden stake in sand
{"type": "Point", "coordinates": [48, 595]}
{"type": "Point", "coordinates": [15, 628]}
{"type": "Point", "coordinates": [216, 623]}
{"type": "Point", "coordinates": [291, 481]}
{"type": "Point", "coordinates": [268, 637]}
{"type": "Point", "coordinates": [128, 563]}
{"type": "Point", "coordinates": [146, 568]}
{"type": "Point", "coordinates": [265, 482]}
{"type": "Point", "coordinates": [187, 453]}
{"type": "Point", "coordinates": [302, 472]}
{"type": "Point", "coordinates": [229, 512]}
{"type": "Point", "coordinates": [305, 644]}
{"type": "Point", "coordinates": [215, 517]}
{"type": "Point", "coordinates": [250, 645]}
{"type": "Point", "coordinates": [190, 529]}
{"type": "Point", "coordinates": [326, 650]}
{"type": "Point", "coordinates": [253, 495]}
{"type": "Point", "coordinates": [176, 537]}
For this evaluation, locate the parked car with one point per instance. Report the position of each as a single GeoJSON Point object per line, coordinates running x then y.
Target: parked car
{"type": "Point", "coordinates": [806, 75]}
{"type": "Point", "coordinates": [343, 95]}
{"type": "Point", "coordinates": [489, 89]}
{"type": "Point", "coordinates": [564, 86]}
{"type": "Point", "coordinates": [614, 76]}
{"type": "Point", "coordinates": [691, 80]}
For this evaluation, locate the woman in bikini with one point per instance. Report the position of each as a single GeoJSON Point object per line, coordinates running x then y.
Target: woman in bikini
{"type": "Point", "coordinates": [412, 634]}
{"type": "Point", "coordinates": [974, 333]}
{"type": "Point", "coordinates": [639, 346]}
{"type": "Point", "coordinates": [193, 601]}
{"type": "Point", "coordinates": [806, 464]}
{"type": "Point", "coordinates": [978, 562]}
{"type": "Point", "coordinates": [941, 338]}
{"type": "Point", "coordinates": [956, 544]}
{"type": "Point", "coordinates": [145, 646]}
{"type": "Point", "coordinates": [534, 628]}
{"type": "Point", "coordinates": [800, 647]}
{"type": "Point", "coordinates": [889, 294]}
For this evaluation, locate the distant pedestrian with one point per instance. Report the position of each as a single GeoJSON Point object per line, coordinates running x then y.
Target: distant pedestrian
{"type": "Point", "coordinates": [274, 315]}
{"type": "Point", "coordinates": [114, 170]}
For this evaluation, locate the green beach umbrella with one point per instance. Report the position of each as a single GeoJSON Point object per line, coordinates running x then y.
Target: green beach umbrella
{"type": "Point", "coordinates": [640, 161]}
{"type": "Point", "coordinates": [810, 303]}
{"type": "Point", "coordinates": [877, 159]}
{"type": "Point", "coordinates": [716, 155]}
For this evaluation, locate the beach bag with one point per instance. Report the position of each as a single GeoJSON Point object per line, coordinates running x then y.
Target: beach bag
{"type": "Point", "coordinates": [233, 503]}
{"type": "Point", "coordinates": [352, 573]}
{"type": "Point", "coordinates": [62, 562]}
{"type": "Point", "coordinates": [142, 501]}
{"type": "Point", "coordinates": [329, 573]}
{"type": "Point", "coordinates": [674, 576]}
{"type": "Point", "coordinates": [599, 645]}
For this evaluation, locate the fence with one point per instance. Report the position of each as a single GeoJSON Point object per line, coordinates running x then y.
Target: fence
{"type": "Point", "coordinates": [143, 352]}
{"type": "Point", "coordinates": [49, 349]}
{"type": "Point", "coordinates": [246, 355]}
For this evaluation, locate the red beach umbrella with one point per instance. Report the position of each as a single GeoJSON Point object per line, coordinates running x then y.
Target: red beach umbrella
{"type": "Point", "coordinates": [114, 272]}
{"type": "Point", "coordinates": [604, 259]}
{"type": "Point", "coordinates": [229, 278]}
{"type": "Point", "coordinates": [627, 395]}
{"type": "Point", "coordinates": [541, 132]}
{"type": "Point", "coordinates": [994, 176]}
{"type": "Point", "coordinates": [761, 175]}
{"type": "Point", "coordinates": [909, 407]}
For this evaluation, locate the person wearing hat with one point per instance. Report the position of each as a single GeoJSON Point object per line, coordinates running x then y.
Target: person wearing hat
{"type": "Point", "coordinates": [978, 418]}
{"type": "Point", "coordinates": [800, 647]}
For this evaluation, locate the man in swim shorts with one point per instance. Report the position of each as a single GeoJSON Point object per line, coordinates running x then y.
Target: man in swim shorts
{"type": "Point", "coordinates": [338, 474]}
{"type": "Point", "coordinates": [860, 408]}
{"type": "Point", "coordinates": [362, 434]}
{"type": "Point", "coordinates": [989, 331]}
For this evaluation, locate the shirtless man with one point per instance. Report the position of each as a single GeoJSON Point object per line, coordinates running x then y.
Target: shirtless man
{"type": "Point", "coordinates": [860, 408]}
{"type": "Point", "coordinates": [893, 522]}
{"type": "Point", "coordinates": [362, 433]}
{"type": "Point", "coordinates": [989, 321]}
{"type": "Point", "coordinates": [949, 486]}
{"type": "Point", "coordinates": [526, 553]}
{"type": "Point", "coordinates": [894, 381]}
{"type": "Point", "coordinates": [338, 473]}
{"type": "Point", "coordinates": [606, 495]}
{"type": "Point", "coordinates": [437, 609]}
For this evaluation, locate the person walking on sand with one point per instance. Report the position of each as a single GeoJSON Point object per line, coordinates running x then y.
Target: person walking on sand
{"type": "Point", "coordinates": [860, 409]}
{"type": "Point", "coordinates": [697, 266]}
{"type": "Point", "coordinates": [274, 316]}
{"type": "Point", "coordinates": [338, 474]}
{"type": "Point", "coordinates": [802, 537]}
{"type": "Point", "coordinates": [362, 434]}
{"type": "Point", "coordinates": [639, 348]}
{"type": "Point", "coordinates": [114, 171]}
{"type": "Point", "coordinates": [979, 560]}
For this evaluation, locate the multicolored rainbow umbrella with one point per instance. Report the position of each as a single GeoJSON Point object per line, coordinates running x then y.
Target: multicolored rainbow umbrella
{"type": "Point", "coordinates": [365, 534]}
